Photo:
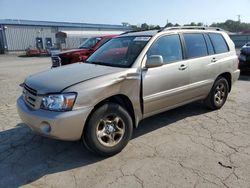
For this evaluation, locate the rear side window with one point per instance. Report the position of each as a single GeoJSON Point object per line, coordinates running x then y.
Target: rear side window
{"type": "Point", "coordinates": [219, 43]}
{"type": "Point", "coordinates": [195, 45]}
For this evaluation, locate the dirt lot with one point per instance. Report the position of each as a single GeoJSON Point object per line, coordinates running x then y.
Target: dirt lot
{"type": "Point", "coordinates": [186, 147]}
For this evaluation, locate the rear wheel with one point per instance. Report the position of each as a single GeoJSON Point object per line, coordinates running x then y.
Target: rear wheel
{"type": "Point", "coordinates": [218, 94]}
{"type": "Point", "coordinates": [108, 130]}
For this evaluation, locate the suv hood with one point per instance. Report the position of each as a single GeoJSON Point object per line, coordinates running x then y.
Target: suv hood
{"type": "Point", "coordinates": [56, 80]}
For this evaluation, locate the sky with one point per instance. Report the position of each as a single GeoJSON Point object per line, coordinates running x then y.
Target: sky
{"type": "Point", "coordinates": [155, 12]}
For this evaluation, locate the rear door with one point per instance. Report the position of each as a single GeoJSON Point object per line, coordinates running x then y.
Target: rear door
{"type": "Point", "coordinates": [206, 55]}
{"type": "Point", "coordinates": [199, 54]}
{"type": "Point", "coordinates": [165, 86]}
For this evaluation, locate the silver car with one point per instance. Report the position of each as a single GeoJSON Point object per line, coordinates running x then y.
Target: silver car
{"type": "Point", "coordinates": [131, 77]}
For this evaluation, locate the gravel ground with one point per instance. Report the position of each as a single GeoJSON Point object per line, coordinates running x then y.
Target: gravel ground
{"type": "Point", "coordinates": [185, 147]}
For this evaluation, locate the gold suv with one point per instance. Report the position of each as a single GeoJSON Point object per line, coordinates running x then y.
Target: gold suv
{"type": "Point", "coordinates": [129, 78]}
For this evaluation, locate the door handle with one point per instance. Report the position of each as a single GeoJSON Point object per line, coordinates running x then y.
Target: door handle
{"type": "Point", "coordinates": [214, 60]}
{"type": "Point", "coordinates": [183, 67]}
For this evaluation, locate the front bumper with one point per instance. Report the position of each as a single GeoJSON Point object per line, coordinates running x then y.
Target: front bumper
{"type": "Point", "coordinates": [59, 125]}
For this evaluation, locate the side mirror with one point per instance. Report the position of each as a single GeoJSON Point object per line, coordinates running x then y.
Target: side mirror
{"type": "Point", "coordinates": [154, 61]}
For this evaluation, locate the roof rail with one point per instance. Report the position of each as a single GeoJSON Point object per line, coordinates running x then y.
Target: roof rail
{"type": "Point", "coordinates": [191, 27]}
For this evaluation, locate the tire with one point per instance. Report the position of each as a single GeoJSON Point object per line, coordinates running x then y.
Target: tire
{"type": "Point", "coordinates": [108, 130]}
{"type": "Point", "coordinates": [218, 94]}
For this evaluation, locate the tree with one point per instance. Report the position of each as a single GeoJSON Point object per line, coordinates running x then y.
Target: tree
{"type": "Point", "coordinates": [157, 27]}
{"type": "Point", "coordinates": [135, 28]}
{"type": "Point", "coordinates": [232, 26]}
{"type": "Point", "coordinates": [191, 24]}
{"type": "Point", "coordinates": [169, 25]}
{"type": "Point", "coordinates": [144, 26]}
{"type": "Point", "coordinates": [228, 25]}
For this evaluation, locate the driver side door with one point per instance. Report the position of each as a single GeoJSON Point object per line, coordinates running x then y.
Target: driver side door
{"type": "Point", "coordinates": [165, 86]}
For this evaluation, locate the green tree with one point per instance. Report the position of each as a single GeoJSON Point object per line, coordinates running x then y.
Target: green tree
{"type": "Point", "coordinates": [169, 24]}
{"type": "Point", "coordinates": [191, 24]}
{"type": "Point", "coordinates": [157, 27]}
{"type": "Point", "coordinates": [144, 26]}
{"type": "Point", "coordinates": [232, 26]}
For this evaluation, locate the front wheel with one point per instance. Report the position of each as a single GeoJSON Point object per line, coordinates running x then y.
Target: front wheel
{"type": "Point", "coordinates": [108, 130]}
{"type": "Point", "coordinates": [218, 94]}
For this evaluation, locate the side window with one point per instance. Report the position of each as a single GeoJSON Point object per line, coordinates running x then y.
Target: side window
{"type": "Point", "coordinates": [196, 45]}
{"type": "Point", "coordinates": [209, 45]}
{"type": "Point", "coordinates": [219, 43]}
{"type": "Point", "coordinates": [169, 47]}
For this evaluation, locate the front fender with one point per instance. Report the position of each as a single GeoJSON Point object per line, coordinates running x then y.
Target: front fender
{"type": "Point", "coordinates": [94, 91]}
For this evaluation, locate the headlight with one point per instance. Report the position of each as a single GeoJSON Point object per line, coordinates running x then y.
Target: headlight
{"type": "Point", "coordinates": [60, 102]}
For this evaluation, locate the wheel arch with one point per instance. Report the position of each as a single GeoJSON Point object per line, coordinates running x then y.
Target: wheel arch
{"type": "Point", "coordinates": [228, 77]}
{"type": "Point", "coordinates": [120, 99]}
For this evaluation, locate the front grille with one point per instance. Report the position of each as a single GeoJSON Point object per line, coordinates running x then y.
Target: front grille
{"type": "Point", "coordinates": [32, 91]}
{"type": "Point", "coordinates": [30, 96]}
{"type": "Point", "coordinates": [56, 61]}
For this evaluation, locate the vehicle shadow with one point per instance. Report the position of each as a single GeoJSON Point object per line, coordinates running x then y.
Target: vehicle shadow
{"type": "Point", "coordinates": [26, 157]}
{"type": "Point", "coordinates": [169, 117]}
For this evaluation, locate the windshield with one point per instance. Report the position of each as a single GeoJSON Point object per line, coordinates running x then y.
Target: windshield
{"type": "Point", "coordinates": [119, 52]}
{"type": "Point", "coordinates": [90, 43]}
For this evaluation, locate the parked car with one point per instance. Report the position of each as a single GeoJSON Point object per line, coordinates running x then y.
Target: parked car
{"type": "Point", "coordinates": [131, 77]}
{"type": "Point", "coordinates": [245, 57]}
{"type": "Point", "coordinates": [80, 54]}
{"type": "Point", "coordinates": [33, 51]}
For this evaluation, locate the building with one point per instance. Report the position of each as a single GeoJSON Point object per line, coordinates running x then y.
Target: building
{"type": "Point", "coordinates": [18, 35]}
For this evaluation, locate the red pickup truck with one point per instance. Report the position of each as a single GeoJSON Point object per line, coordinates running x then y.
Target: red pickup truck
{"type": "Point", "coordinates": [80, 54]}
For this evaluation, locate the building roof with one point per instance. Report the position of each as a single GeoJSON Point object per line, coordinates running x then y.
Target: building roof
{"type": "Point", "coordinates": [61, 24]}
{"type": "Point", "coordinates": [88, 33]}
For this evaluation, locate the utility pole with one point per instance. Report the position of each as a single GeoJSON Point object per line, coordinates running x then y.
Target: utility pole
{"type": "Point", "coordinates": [239, 17]}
